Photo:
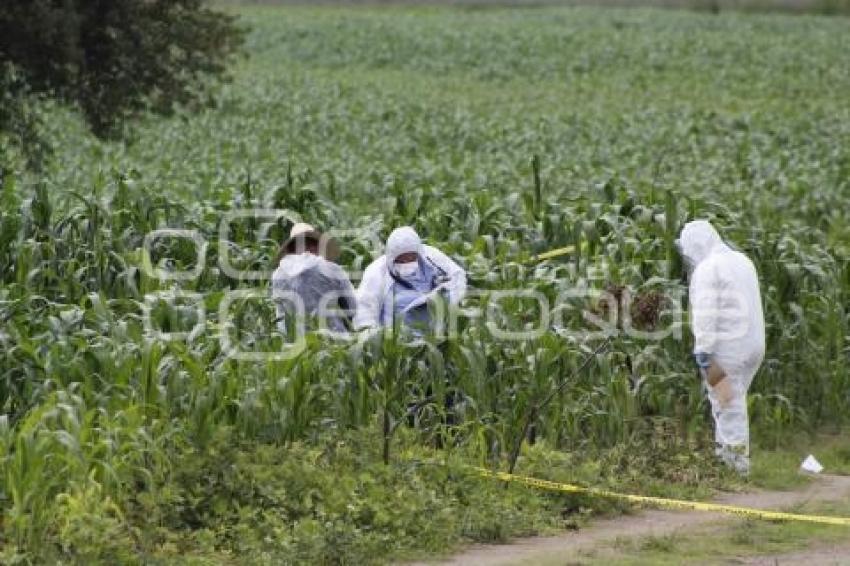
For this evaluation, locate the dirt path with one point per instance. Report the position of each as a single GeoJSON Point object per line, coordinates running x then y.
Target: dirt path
{"type": "Point", "coordinates": [563, 548]}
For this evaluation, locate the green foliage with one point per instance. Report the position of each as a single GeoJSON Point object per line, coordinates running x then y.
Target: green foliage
{"type": "Point", "coordinates": [113, 60]}
{"type": "Point", "coordinates": [326, 504]}
{"type": "Point", "coordinates": [22, 137]}
{"type": "Point", "coordinates": [92, 529]}
{"type": "Point", "coordinates": [337, 503]}
{"type": "Point", "coordinates": [500, 134]}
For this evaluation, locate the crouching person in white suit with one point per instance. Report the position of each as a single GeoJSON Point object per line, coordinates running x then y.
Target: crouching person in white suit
{"type": "Point", "coordinates": [399, 284]}
{"type": "Point", "coordinates": [309, 284]}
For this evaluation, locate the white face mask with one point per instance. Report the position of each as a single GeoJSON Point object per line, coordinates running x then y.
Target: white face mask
{"type": "Point", "coordinates": [407, 270]}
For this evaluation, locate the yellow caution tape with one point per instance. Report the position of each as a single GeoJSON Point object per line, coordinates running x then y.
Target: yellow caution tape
{"type": "Point", "coordinates": [664, 502]}
{"type": "Point", "coordinates": [555, 253]}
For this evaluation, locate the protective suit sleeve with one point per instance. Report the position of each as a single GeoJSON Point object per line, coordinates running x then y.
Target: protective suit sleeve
{"type": "Point", "coordinates": [706, 304]}
{"type": "Point", "coordinates": [456, 276]}
{"type": "Point", "coordinates": [370, 295]}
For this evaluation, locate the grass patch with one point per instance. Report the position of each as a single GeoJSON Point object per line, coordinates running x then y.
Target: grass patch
{"type": "Point", "coordinates": [733, 540]}
{"type": "Point", "coordinates": [779, 468]}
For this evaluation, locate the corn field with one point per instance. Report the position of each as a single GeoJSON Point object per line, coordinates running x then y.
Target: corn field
{"type": "Point", "coordinates": [499, 134]}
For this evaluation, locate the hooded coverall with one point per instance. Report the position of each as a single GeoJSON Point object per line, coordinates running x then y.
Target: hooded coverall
{"type": "Point", "coordinates": [728, 328]}
{"type": "Point", "coordinates": [383, 294]}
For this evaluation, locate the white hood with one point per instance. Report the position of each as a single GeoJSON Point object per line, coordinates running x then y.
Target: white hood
{"type": "Point", "coordinates": [401, 241]}
{"type": "Point", "coordinates": [698, 240]}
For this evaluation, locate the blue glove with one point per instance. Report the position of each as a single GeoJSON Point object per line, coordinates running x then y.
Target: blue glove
{"type": "Point", "coordinates": [703, 360]}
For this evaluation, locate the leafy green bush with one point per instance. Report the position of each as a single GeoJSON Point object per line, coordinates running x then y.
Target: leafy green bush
{"type": "Point", "coordinates": [113, 61]}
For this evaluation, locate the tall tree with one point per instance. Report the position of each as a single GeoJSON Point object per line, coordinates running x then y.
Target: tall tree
{"type": "Point", "coordinates": [111, 58]}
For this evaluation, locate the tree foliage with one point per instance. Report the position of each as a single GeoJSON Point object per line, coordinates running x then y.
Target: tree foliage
{"type": "Point", "coordinates": [111, 58]}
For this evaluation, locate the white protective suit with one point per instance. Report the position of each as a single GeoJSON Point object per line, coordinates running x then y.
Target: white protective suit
{"type": "Point", "coordinates": [728, 327]}
{"type": "Point", "coordinates": [383, 295]}
{"type": "Point", "coordinates": [322, 287]}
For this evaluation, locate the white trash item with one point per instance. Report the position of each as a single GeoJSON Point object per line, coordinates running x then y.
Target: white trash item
{"type": "Point", "coordinates": [810, 464]}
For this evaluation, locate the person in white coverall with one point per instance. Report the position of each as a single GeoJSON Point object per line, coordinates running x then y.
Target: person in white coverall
{"type": "Point", "coordinates": [728, 328]}
{"type": "Point", "coordinates": [308, 283]}
{"type": "Point", "coordinates": [400, 283]}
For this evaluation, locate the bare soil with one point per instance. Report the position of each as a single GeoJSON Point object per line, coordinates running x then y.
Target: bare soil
{"type": "Point", "coordinates": [568, 547]}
